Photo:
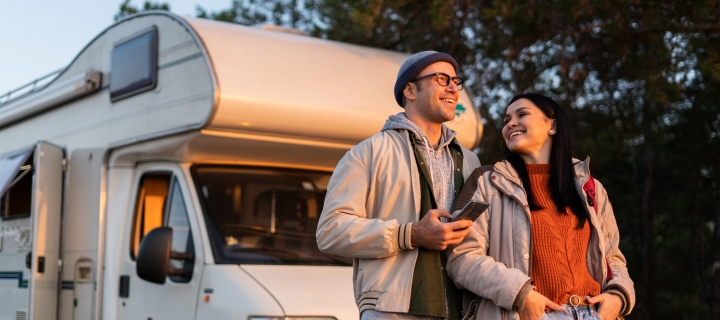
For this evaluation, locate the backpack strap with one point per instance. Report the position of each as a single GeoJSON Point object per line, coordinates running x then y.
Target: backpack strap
{"type": "Point", "coordinates": [471, 184]}
{"type": "Point", "coordinates": [589, 189]}
{"type": "Point", "coordinates": [485, 168]}
{"type": "Point", "coordinates": [470, 301]}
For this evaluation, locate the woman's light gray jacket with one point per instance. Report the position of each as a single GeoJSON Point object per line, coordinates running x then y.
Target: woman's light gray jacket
{"type": "Point", "coordinates": [494, 260]}
{"type": "Point", "coordinates": [373, 199]}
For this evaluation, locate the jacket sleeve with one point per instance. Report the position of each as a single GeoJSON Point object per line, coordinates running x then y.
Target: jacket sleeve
{"type": "Point", "coordinates": [343, 227]}
{"type": "Point", "coordinates": [621, 282]}
{"type": "Point", "coordinates": [469, 264]}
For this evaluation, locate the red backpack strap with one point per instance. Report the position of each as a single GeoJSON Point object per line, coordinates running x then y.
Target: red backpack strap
{"type": "Point", "coordinates": [589, 189]}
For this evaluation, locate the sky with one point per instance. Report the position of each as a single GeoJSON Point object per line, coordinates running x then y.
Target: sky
{"type": "Point", "coordinates": [39, 37]}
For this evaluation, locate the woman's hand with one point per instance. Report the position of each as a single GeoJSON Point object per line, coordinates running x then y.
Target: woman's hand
{"type": "Point", "coordinates": [534, 306]}
{"type": "Point", "coordinates": [610, 305]}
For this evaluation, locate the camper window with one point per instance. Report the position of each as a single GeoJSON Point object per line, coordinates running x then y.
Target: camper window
{"type": "Point", "coordinates": [16, 180]}
{"type": "Point", "coordinates": [133, 65]}
{"type": "Point", "coordinates": [182, 242]}
{"type": "Point", "coordinates": [159, 205]}
{"type": "Point", "coordinates": [263, 216]}
{"type": "Point", "coordinates": [149, 207]}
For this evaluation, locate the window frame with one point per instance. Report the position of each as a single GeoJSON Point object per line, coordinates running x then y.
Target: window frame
{"type": "Point", "coordinates": [138, 188]}
{"type": "Point", "coordinates": [117, 94]}
{"type": "Point", "coordinates": [179, 173]}
{"type": "Point", "coordinates": [190, 244]}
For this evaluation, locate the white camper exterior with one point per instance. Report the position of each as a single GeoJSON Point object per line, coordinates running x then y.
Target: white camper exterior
{"type": "Point", "coordinates": [206, 143]}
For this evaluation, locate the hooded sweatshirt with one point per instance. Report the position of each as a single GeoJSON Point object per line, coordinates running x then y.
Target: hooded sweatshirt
{"type": "Point", "coordinates": [439, 160]}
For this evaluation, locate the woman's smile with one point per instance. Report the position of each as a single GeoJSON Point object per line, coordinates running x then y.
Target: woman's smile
{"type": "Point", "coordinates": [514, 134]}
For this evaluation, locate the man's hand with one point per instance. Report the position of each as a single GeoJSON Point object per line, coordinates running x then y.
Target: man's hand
{"type": "Point", "coordinates": [534, 306]}
{"type": "Point", "coordinates": [610, 305]}
{"type": "Point", "coordinates": [430, 233]}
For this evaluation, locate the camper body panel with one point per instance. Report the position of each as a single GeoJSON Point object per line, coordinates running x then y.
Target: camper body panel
{"type": "Point", "coordinates": [82, 206]}
{"type": "Point", "coordinates": [291, 285]}
{"type": "Point", "coordinates": [235, 295]}
{"type": "Point", "coordinates": [95, 122]}
{"type": "Point", "coordinates": [119, 182]}
{"type": "Point", "coordinates": [14, 247]}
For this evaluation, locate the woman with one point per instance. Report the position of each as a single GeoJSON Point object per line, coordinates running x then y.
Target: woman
{"type": "Point", "coordinates": [545, 249]}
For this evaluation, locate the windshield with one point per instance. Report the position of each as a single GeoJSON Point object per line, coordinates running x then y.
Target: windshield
{"type": "Point", "coordinates": [263, 216]}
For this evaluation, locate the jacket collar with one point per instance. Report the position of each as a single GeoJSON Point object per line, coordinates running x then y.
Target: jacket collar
{"type": "Point", "coordinates": [582, 170]}
{"type": "Point", "coordinates": [400, 121]}
{"type": "Point", "coordinates": [503, 170]}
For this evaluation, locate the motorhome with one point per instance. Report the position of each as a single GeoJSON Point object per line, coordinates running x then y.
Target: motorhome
{"type": "Point", "coordinates": [176, 168]}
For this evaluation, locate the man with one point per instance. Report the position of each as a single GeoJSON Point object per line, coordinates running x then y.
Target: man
{"type": "Point", "coordinates": [387, 194]}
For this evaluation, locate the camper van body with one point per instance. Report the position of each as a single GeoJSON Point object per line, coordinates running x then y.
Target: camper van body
{"type": "Point", "coordinates": [148, 127]}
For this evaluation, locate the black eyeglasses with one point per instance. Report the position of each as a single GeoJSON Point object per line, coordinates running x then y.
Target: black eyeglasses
{"type": "Point", "coordinates": [443, 79]}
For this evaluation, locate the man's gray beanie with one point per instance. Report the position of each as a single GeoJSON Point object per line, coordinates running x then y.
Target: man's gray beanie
{"type": "Point", "coordinates": [416, 63]}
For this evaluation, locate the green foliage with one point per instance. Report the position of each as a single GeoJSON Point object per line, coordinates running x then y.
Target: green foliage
{"type": "Point", "coordinates": [126, 9]}
{"type": "Point", "coordinates": [288, 13]}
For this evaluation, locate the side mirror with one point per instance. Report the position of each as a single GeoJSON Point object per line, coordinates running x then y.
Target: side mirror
{"type": "Point", "coordinates": [153, 259]}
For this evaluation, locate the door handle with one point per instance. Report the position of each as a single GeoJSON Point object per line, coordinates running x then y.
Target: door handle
{"type": "Point", "coordinates": [41, 264]}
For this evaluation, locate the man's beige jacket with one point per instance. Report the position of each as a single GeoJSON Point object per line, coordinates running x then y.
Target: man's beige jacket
{"type": "Point", "coordinates": [373, 199]}
{"type": "Point", "coordinates": [493, 261]}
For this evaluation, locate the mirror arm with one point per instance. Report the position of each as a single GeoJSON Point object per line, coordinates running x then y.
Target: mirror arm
{"type": "Point", "coordinates": [182, 256]}
{"type": "Point", "coordinates": [177, 272]}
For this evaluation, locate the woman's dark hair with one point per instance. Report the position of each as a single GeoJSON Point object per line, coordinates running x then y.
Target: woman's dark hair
{"type": "Point", "coordinates": [562, 173]}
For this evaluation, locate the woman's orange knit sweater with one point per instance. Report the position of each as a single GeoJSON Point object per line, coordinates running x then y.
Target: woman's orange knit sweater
{"type": "Point", "coordinates": [559, 248]}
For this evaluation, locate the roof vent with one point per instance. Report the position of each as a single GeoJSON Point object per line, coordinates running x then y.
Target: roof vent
{"type": "Point", "coordinates": [272, 27]}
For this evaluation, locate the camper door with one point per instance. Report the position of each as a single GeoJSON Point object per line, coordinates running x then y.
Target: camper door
{"type": "Point", "coordinates": [30, 215]}
{"type": "Point", "coordinates": [162, 203]}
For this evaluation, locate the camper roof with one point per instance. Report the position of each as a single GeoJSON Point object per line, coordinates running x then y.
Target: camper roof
{"type": "Point", "coordinates": [222, 77]}
{"type": "Point", "coordinates": [297, 85]}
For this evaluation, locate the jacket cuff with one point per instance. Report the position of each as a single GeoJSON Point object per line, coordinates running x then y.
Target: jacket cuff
{"type": "Point", "coordinates": [403, 233]}
{"type": "Point", "coordinates": [619, 292]}
{"type": "Point", "coordinates": [522, 294]}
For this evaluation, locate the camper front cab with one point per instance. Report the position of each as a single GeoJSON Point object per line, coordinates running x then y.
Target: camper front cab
{"type": "Point", "coordinates": [176, 169]}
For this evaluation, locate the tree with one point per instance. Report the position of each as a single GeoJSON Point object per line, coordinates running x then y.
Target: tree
{"type": "Point", "coordinates": [126, 9]}
{"type": "Point", "coordinates": [289, 13]}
